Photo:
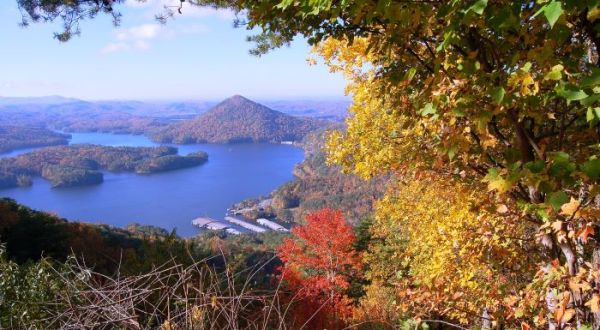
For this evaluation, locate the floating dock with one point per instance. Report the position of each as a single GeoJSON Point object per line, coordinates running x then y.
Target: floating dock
{"type": "Point", "coordinates": [212, 224]}
{"type": "Point", "coordinates": [237, 225]}
{"type": "Point", "coordinates": [247, 225]}
{"type": "Point", "coordinates": [271, 225]}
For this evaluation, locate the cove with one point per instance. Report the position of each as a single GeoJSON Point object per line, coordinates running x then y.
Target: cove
{"type": "Point", "coordinates": [171, 199]}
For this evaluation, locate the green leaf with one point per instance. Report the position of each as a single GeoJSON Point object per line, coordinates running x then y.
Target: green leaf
{"type": "Point", "coordinates": [478, 7]}
{"type": "Point", "coordinates": [497, 94]}
{"type": "Point", "coordinates": [284, 4]}
{"type": "Point", "coordinates": [592, 80]}
{"type": "Point", "coordinates": [561, 167]}
{"type": "Point", "coordinates": [452, 152]}
{"type": "Point", "coordinates": [429, 109]}
{"type": "Point", "coordinates": [589, 116]}
{"type": "Point", "coordinates": [552, 11]}
{"type": "Point", "coordinates": [557, 199]}
{"type": "Point", "coordinates": [410, 74]}
{"type": "Point", "coordinates": [459, 112]}
{"type": "Point", "coordinates": [571, 93]}
{"type": "Point", "coordinates": [590, 100]}
{"type": "Point", "coordinates": [542, 213]}
{"type": "Point", "coordinates": [536, 166]}
{"type": "Point", "coordinates": [560, 157]}
{"type": "Point", "coordinates": [555, 73]}
{"type": "Point", "coordinates": [591, 168]}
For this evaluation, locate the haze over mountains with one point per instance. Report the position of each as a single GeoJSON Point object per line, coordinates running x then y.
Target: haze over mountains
{"type": "Point", "coordinates": [238, 119]}
{"type": "Point", "coordinates": [235, 120]}
{"type": "Point", "coordinates": [328, 109]}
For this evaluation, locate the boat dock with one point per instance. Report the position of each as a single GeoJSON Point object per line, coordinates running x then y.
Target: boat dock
{"type": "Point", "coordinates": [247, 225]}
{"type": "Point", "coordinates": [212, 224]}
{"type": "Point", "coordinates": [237, 225]}
{"type": "Point", "coordinates": [271, 225]}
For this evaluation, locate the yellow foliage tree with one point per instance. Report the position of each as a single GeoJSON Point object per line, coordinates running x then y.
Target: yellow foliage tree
{"type": "Point", "coordinates": [445, 252]}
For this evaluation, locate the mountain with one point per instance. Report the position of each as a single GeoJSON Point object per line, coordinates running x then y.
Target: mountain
{"type": "Point", "coordinates": [54, 99]}
{"type": "Point", "coordinates": [326, 109]}
{"type": "Point", "coordinates": [238, 119]}
{"type": "Point", "coordinates": [18, 137]}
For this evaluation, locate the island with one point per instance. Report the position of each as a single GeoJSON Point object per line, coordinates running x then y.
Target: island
{"type": "Point", "coordinates": [18, 137]}
{"type": "Point", "coordinates": [77, 165]}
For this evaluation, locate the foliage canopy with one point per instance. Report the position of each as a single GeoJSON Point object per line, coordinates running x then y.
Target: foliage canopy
{"type": "Point", "coordinates": [500, 92]}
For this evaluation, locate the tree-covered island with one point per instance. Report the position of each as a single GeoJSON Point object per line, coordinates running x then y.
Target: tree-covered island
{"type": "Point", "coordinates": [76, 165]}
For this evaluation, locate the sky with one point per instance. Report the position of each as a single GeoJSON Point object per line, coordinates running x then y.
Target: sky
{"type": "Point", "coordinates": [197, 56]}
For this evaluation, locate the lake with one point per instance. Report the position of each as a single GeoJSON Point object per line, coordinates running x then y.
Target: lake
{"type": "Point", "coordinates": [169, 199]}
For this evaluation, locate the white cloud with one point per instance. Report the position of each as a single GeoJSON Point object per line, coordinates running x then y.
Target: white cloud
{"type": "Point", "coordinates": [140, 37]}
{"type": "Point", "coordinates": [143, 36]}
{"type": "Point", "coordinates": [141, 32]}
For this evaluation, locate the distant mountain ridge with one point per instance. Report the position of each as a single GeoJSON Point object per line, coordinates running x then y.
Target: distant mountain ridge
{"type": "Point", "coordinates": [47, 100]}
{"type": "Point", "coordinates": [238, 119]}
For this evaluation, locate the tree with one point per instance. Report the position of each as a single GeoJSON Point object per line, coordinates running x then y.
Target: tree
{"type": "Point", "coordinates": [501, 92]}
{"type": "Point", "coordinates": [440, 250]}
{"type": "Point", "coordinates": [495, 92]}
{"type": "Point", "coordinates": [319, 263]}
{"type": "Point", "coordinates": [69, 12]}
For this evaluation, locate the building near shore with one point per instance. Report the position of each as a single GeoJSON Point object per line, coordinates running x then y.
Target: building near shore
{"type": "Point", "coordinates": [247, 225]}
{"type": "Point", "coordinates": [271, 225]}
{"type": "Point", "coordinates": [212, 224]}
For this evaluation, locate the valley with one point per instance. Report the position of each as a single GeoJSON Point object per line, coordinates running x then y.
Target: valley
{"type": "Point", "coordinates": [169, 199]}
{"type": "Point", "coordinates": [397, 165]}
{"type": "Point", "coordinates": [258, 165]}
{"type": "Point", "coordinates": [100, 174]}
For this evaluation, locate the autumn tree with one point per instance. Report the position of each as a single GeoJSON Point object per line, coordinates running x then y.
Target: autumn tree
{"type": "Point", "coordinates": [501, 92]}
{"type": "Point", "coordinates": [319, 262]}
{"type": "Point", "coordinates": [440, 250]}
{"type": "Point", "coordinates": [505, 92]}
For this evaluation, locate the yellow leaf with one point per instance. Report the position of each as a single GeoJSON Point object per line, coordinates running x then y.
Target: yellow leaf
{"type": "Point", "coordinates": [502, 209]}
{"type": "Point", "coordinates": [569, 313]}
{"type": "Point", "coordinates": [557, 225]}
{"type": "Point", "coordinates": [594, 303]}
{"type": "Point", "coordinates": [559, 313]}
{"type": "Point", "coordinates": [570, 208]}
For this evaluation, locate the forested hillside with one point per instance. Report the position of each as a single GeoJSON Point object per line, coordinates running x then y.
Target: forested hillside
{"type": "Point", "coordinates": [17, 137]}
{"type": "Point", "coordinates": [59, 274]}
{"type": "Point", "coordinates": [78, 116]}
{"type": "Point", "coordinates": [135, 117]}
{"type": "Point", "coordinates": [486, 117]}
{"type": "Point", "coordinates": [317, 185]}
{"type": "Point", "coordinates": [81, 164]}
{"type": "Point", "coordinates": [238, 119]}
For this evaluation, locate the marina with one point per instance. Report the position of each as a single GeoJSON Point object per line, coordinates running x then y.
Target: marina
{"type": "Point", "coordinates": [236, 225]}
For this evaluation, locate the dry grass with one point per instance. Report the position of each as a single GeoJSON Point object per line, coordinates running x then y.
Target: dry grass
{"type": "Point", "coordinates": [171, 296]}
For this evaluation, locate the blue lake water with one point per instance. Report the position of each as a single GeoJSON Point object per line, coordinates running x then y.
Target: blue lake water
{"type": "Point", "coordinates": [170, 199]}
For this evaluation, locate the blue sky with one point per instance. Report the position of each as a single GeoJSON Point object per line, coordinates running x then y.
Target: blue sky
{"type": "Point", "coordinates": [199, 55]}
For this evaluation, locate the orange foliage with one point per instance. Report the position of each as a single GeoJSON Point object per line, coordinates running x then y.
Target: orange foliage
{"type": "Point", "coordinates": [319, 262]}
